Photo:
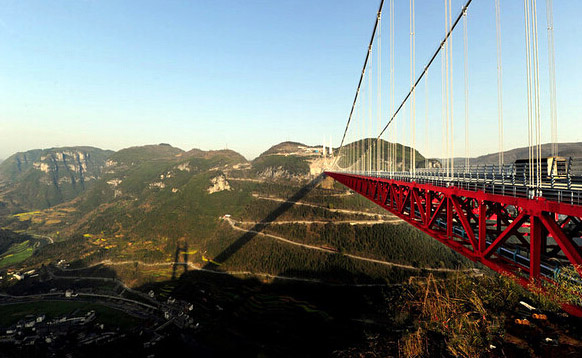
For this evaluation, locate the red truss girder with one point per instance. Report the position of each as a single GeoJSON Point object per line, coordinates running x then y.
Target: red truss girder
{"type": "Point", "coordinates": [477, 224]}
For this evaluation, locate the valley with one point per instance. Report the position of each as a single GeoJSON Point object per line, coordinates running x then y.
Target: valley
{"type": "Point", "coordinates": [261, 249]}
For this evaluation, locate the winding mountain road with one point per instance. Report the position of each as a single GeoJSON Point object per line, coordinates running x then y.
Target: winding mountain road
{"type": "Point", "coordinates": [233, 223]}
{"type": "Point", "coordinates": [323, 222]}
{"type": "Point", "coordinates": [343, 211]}
{"type": "Point", "coordinates": [239, 273]}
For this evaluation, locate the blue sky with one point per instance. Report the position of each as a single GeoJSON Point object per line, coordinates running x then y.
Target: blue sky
{"type": "Point", "coordinates": [247, 74]}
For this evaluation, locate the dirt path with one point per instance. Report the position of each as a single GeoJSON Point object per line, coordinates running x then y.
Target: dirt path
{"type": "Point", "coordinates": [240, 273]}
{"type": "Point", "coordinates": [355, 257]}
{"type": "Point", "coordinates": [247, 179]}
{"type": "Point", "coordinates": [334, 222]}
{"type": "Point", "coordinates": [44, 237]}
{"type": "Point", "coordinates": [343, 211]}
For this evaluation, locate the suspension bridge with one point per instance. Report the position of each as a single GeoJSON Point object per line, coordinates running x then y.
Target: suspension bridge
{"type": "Point", "coordinates": [523, 217]}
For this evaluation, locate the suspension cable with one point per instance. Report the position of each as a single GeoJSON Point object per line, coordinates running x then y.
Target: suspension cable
{"type": "Point", "coordinates": [444, 115]}
{"type": "Point", "coordinates": [403, 148]}
{"type": "Point", "coordinates": [363, 70]}
{"type": "Point", "coordinates": [533, 86]}
{"type": "Point", "coordinates": [499, 81]}
{"type": "Point", "coordinates": [429, 63]}
{"type": "Point", "coordinates": [529, 90]}
{"type": "Point", "coordinates": [379, 151]}
{"type": "Point", "coordinates": [450, 88]}
{"type": "Point", "coordinates": [552, 76]}
{"type": "Point", "coordinates": [368, 134]}
{"type": "Point", "coordinates": [446, 77]}
{"type": "Point", "coordinates": [395, 132]}
{"type": "Point", "coordinates": [466, 63]}
{"type": "Point", "coordinates": [538, 123]}
{"type": "Point", "coordinates": [361, 141]}
{"type": "Point", "coordinates": [426, 141]}
{"type": "Point", "coordinates": [412, 104]}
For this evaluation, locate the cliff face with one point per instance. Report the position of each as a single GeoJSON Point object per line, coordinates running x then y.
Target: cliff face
{"type": "Point", "coordinates": [39, 179]}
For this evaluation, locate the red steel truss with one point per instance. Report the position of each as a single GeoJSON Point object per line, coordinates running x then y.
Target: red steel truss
{"type": "Point", "coordinates": [528, 238]}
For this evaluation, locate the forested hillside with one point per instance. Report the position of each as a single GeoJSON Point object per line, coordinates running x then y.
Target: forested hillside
{"type": "Point", "coordinates": [353, 154]}
{"type": "Point", "coordinates": [265, 241]}
{"type": "Point", "coordinates": [160, 204]}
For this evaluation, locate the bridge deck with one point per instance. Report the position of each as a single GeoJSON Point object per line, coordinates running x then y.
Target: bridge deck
{"type": "Point", "coordinates": [485, 218]}
{"type": "Point", "coordinates": [509, 182]}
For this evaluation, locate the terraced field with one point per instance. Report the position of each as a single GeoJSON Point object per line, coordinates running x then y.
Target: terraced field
{"type": "Point", "coordinates": [17, 253]}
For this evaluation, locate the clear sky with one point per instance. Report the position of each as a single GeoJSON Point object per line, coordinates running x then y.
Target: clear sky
{"type": "Point", "coordinates": [248, 74]}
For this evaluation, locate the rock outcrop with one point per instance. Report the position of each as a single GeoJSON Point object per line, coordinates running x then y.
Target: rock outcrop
{"type": "Point", "coordinates": [47, 177]}
{"type": "Point", "coordinates": [219, 183]}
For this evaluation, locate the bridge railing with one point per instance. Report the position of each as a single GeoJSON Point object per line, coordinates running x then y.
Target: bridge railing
{"type": "Point", "coordinates": [561, 184]}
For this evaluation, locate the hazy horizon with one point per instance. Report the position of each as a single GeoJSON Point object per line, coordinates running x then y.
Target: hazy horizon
{"type": "Point", "coordinates": [246, 157]}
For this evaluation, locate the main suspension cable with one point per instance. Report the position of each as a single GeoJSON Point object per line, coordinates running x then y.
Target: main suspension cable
{"type": "Point", "coordinates": [447, 35]}
{"type": "Point", "coordinates": [363, 71]}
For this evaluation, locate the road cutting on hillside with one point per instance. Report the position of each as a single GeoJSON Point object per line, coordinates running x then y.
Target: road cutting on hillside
{"type": "Point", "coordinates": [233, 223]}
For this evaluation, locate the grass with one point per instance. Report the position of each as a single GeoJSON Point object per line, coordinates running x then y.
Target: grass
{"type": "Point", "coordinates": [30, 213]}
{"type": "Point", "coordinates": [11, 314]}
{"type": "Point", "coordinates": [17, 253]}
{"type": "Point", "coordinates": [26, 216]}
{"type": "Point", "coordinates": [456, 314]}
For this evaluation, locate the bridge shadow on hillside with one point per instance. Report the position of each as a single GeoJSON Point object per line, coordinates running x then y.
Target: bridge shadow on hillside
{"type": "Point", "coordinates": [272, 216]}
{"type": "Point", "coordinates": [278, 317]}
{"type": "Point", "coordinates": [181, 251]}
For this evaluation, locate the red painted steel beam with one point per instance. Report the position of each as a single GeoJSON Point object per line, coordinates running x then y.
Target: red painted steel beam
{"type": "Point", "coordinates": [427, 205]}
{"type": "Point", "coordinates": [505, 234]}
{"type": "Point", "coordinates": [449, 217]}
{"type": "Point", "coordinates": [482, 226]}
{"type": "Point", "coordinates": [535, 244]}
{"type": "Point", "coordinates": [537, 205]}
{"type": "Point", "coordinates": [399, 193]}
{"type": "Point", "coordinates": [393, 195]}
{"type": "Point", "coordinates": [437, 212]}
{"type": "Point", "coordinates": [421, 209]}
{"type": "Point", "coordinates": [539, 211]}
{"type": "Point", "coordinates": [570, 250]}
{"type": "Point", "coordinates": [465, 223]}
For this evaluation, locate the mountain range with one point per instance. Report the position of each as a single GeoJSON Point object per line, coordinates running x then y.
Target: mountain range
{"type": "Point", "coordinates": [145, 203]}
{"type": "Point", "coordinates": [510, 156]}
{"type": "Point", "coordinates": [42, 178]}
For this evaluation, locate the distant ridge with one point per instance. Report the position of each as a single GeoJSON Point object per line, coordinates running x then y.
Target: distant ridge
{"type": "Point", "coordinates": [573, 149]}
{"type": "Point", "coordinates": [42, 178]}
{"type": "Point", "coordinates": [284, 147]}
{"type": "Point", "coordinates": [145, 153]}
{"type": "Point", "coordinates": [227, 153]}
